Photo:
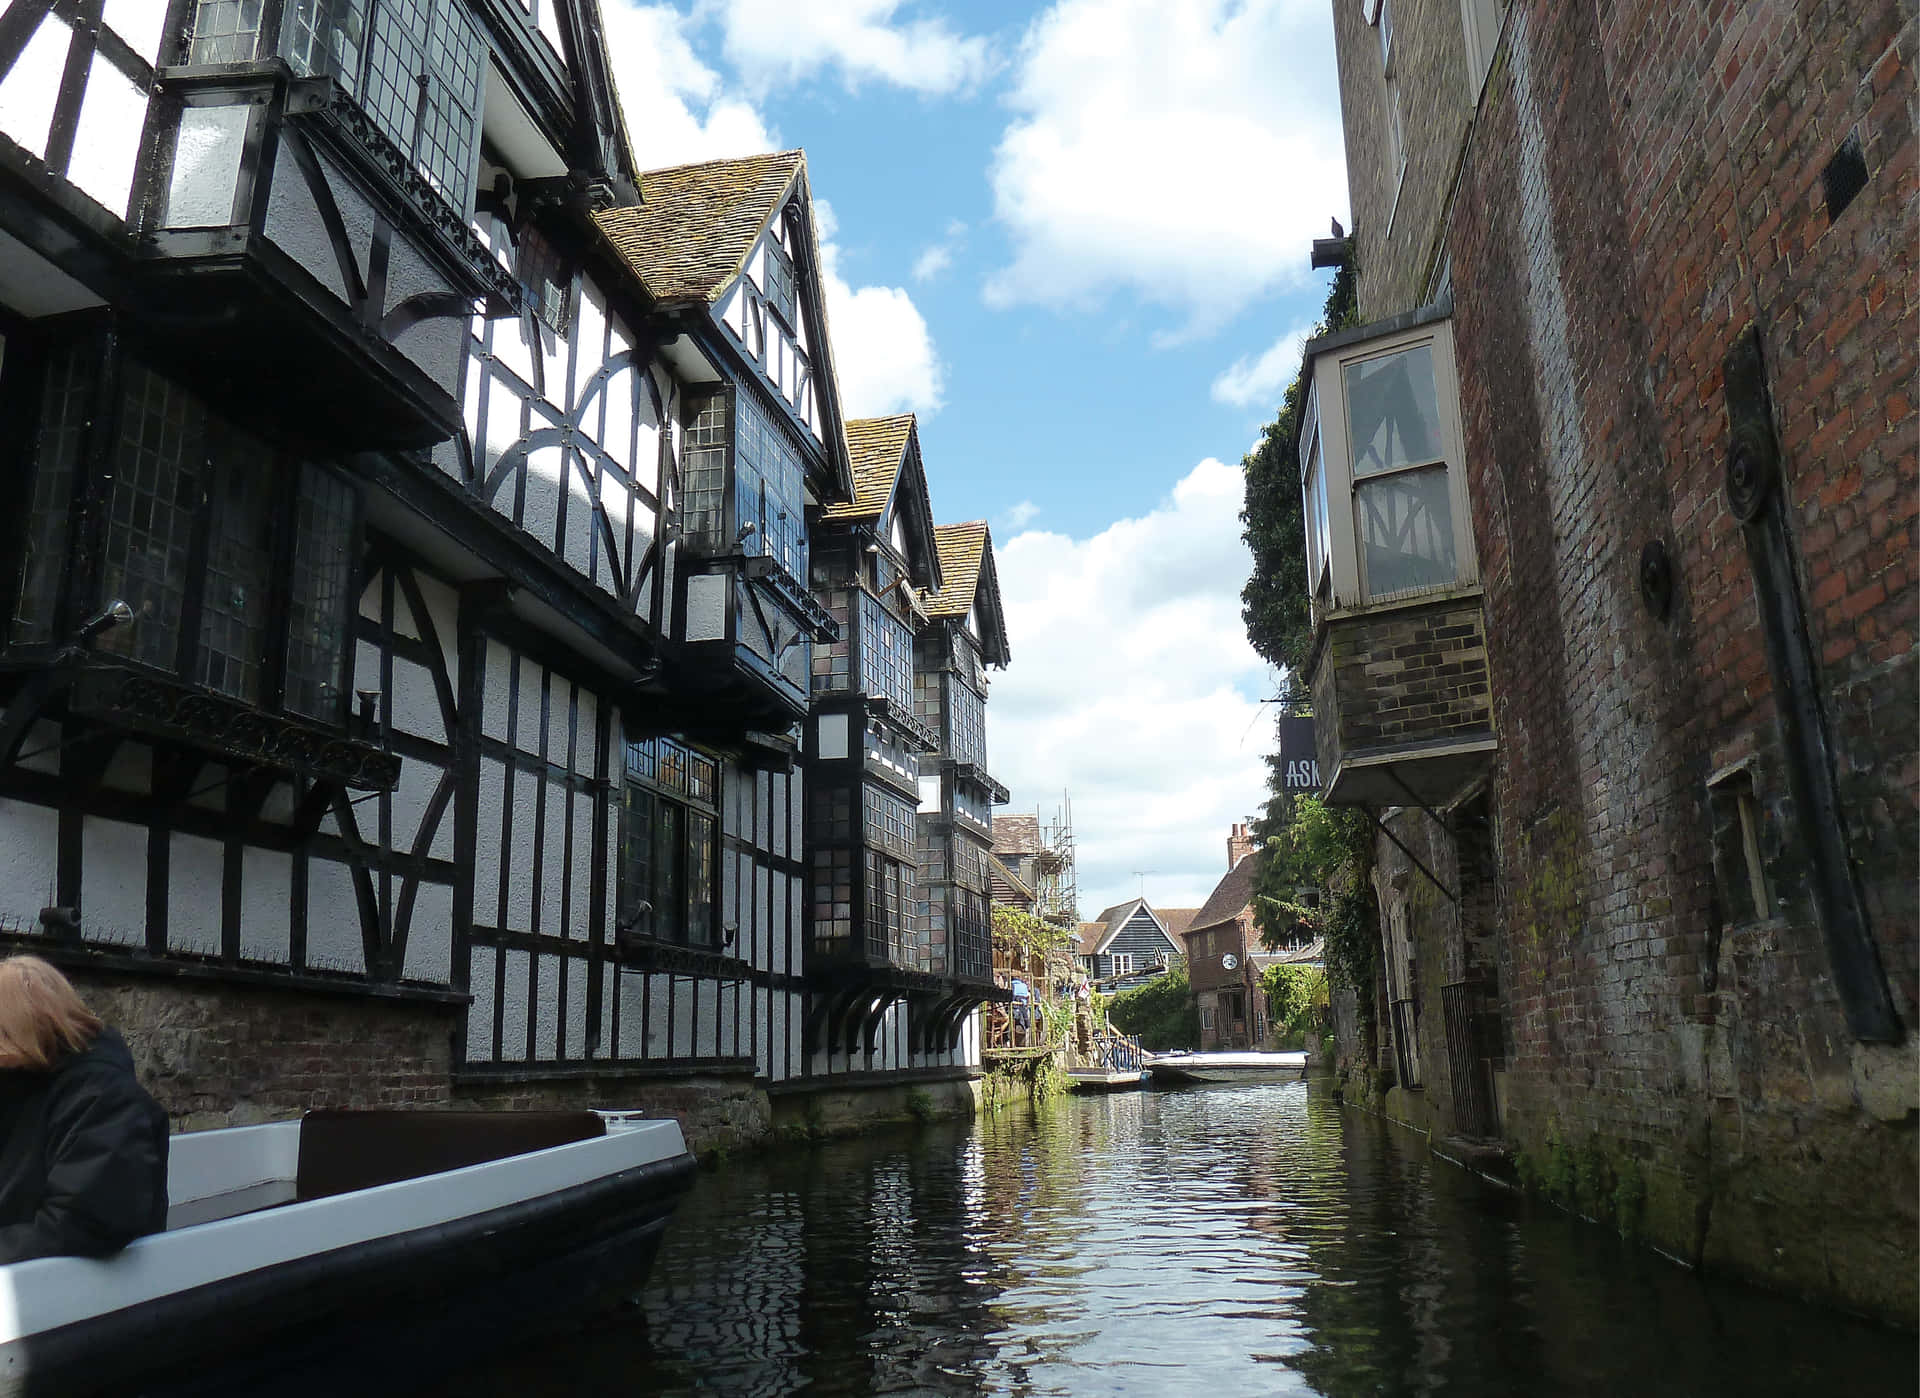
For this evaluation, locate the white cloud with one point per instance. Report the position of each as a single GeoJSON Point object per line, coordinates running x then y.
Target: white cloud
{"type": "Point", "coordinates": [936, 258]}
{"type": "Point", "coordinates": [776, 41]}
{"type": "Point", "coordinates": [883, 352]}
{"type": "Point", "coordinates": [1186, 153]}
{"type": "Point", "coordinates": [1250, 382]}
{"type": "Point", "coordinates": [1016, 517]}
{"type": "Point", "coordinates": [1133, 689]}
{"type": "Point", "coordinates": [677, 108]}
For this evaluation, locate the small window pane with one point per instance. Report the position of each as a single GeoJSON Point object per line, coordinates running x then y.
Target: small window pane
{"type": "Point", "coordinates": [669, 911]}
{"type": "Point", "coordinates": [327, 36]}
{"type": "Point", "coordinates": [1393, 411]}
{"type": "Point", "coordinates": [1406, 531]}
{"type": "Point", "coordinates": [699, 879]}
{"type": "Point", "coordinates": [226, 31]}
{"type": "Point", "coordinates": [636, 862]}
{"type": "Point", "coordinates": [703, 514]}
{"type": "Point", "coordinates": [319, 602]}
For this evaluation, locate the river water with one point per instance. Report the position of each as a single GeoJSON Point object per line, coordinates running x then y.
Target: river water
{"type": "Point", "coordinates": [1212, 1241]}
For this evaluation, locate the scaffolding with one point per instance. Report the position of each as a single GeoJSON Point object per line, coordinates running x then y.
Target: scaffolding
{"type": "Point", "coordinates": [1056, 887]}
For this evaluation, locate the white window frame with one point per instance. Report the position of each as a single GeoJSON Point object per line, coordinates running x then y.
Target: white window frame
{"type": "Point", "coordinates": [1481, 22]}
{"type": "Point", "coordinates": [1122, 963]}
{"type": "Point", "coordinates": [1329, 384]}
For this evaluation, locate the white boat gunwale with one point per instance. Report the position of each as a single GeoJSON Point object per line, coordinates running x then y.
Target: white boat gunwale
{"type": "Point", "coordinates": [40, 1296]}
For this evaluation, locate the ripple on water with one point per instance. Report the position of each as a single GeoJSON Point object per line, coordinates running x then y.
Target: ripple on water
{"type": "Point", "coordinates": [1213, 1242]}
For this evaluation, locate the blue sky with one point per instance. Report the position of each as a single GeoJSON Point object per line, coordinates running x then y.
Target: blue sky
{"type": "Point", "coordinates": [1072, 238]}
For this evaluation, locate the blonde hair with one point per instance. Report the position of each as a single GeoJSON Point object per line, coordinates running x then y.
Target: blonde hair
{"type": "Point", "coordinates": [41, 1015]}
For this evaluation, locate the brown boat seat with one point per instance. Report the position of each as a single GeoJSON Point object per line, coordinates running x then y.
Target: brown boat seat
{"type": "Point", "coordinates": [347, 1150]}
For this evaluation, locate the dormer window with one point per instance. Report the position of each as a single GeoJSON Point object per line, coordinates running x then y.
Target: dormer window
{"type": "Point", "coordinates": [1383, 470]}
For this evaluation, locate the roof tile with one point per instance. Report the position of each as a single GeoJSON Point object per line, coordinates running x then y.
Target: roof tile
{"type": "Point", "coordinates": [961, 548]}
{"type": "Point", "coordinates": [877, 446]}
{"type": "Point", "coordinates": [690, 235]}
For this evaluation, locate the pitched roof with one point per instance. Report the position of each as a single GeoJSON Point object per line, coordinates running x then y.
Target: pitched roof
{"type": "Point", "coordinates": [1087, 936]}
{"type": "Point", "coordinates": [689, 236]}
{"type": "Point", "coordinates": [1016, 834]}
{"type": "Point", "coordinates": [1176, 920]}
{"type": "Point", "coordinates": [876, 446]}
{"type": "Point", "coordinates": [961, 547]}
{"type": "Point", "coordinates": [1229, 897]}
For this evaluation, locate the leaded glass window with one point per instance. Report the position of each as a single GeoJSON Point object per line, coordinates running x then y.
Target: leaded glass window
{"type": "Point", "coordinates": [158, 460]}
{"type": "Point", "coordinates": [891, 924]}
{"type": "Point", "coordinates": [226, 591]}
{"type": "Point", "coordinates": [667, 863]}
{"type": "Point", "coordinates": [233, 603]}
{"type": "Point", "coordinates": [321, 596]}
{"type": "Point", "coordinates": [769, 489]}
{"type": "Point", "coordinates": [886, 654]}
{"type": "Point", "coordinates": [966, 724]}
{"type": "Point", "coordinates": [414, 66]}
{"type": "Point", "coordinates": [703, 513]}
{"type": "Point", "coordinates": [63, 410]}
{"type": "Point", "coordinates": [780, 284]}
{"type": "Point", "coordinates": [888, 822]}
{"type": "Point", "coordinates": [972, 936]}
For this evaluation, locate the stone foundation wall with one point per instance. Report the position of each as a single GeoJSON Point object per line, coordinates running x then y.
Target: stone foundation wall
{"type": "Point", "coordinates": [716, 1112]}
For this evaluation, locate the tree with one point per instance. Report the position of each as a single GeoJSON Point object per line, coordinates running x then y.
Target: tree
{"type": "Point", "coordinates": [1293, 994]}
{"type": "Point", "coordinates": [1161, 1012]}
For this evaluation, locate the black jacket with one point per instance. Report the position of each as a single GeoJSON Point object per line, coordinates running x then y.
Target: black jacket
{"type": "Point", "coordinates": [83, 1156]}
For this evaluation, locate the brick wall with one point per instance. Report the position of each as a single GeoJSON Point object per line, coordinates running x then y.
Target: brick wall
{"type": "Point", "coordinates": [1644, 184]}
{"type": "Point", "coordinates": [1405, 675]}
{"type": "Point", "coordinates": [216, 1055]}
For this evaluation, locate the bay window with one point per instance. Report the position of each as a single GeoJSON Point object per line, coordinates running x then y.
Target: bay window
{"type": "Point", "coordinates": [966, 724]}
{"type": "Point", "coordinates": [414, 67]}
{"type": "Point", "coordinates": [235, 555]}
{"type": "Point", "coordinates": [886, 655]}
{"type": "Point", "coordinates": [669, 843]}
{"type": "Point", "coordinates": [1382, 469]}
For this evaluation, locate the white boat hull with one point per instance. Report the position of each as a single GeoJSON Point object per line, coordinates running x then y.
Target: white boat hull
{"type": "Point", "coordinates": [1227, 1067]}
{"type": "Point", "coordinates": [356, 1291]}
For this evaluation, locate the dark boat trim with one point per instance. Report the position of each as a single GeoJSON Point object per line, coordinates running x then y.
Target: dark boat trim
{"type": "Point", "coordinates": [190, 1336]}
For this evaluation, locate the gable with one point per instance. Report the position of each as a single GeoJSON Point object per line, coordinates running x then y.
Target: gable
{"type": "Point", "coordinates": [890, 492]}
{"type": "Point", "coordinates": [737, 238]}
{"type": "Point", "coordinates": [1137, 932]}
{"type": "Point", "coordinates": [972, 590]}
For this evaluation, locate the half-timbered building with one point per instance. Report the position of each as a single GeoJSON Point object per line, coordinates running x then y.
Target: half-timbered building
{"type": "Point", "coordinates": [408, 634]}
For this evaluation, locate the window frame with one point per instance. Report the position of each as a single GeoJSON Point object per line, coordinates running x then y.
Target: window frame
{"type": "Point", "coordinates": [1349, 585]}
{"type": "Point", "coordinates": [642, 779]}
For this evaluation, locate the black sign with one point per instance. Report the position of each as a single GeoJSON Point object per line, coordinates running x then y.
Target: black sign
{"type": "Point", "coordinates": [1299, 766]}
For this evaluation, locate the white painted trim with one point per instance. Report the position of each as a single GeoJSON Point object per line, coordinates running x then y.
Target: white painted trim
{"type": "Point", "coordinates": [54, 1291]}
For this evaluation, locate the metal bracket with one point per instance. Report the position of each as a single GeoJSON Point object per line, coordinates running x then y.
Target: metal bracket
{"type": "Point", "coordinates": [1400, 845]}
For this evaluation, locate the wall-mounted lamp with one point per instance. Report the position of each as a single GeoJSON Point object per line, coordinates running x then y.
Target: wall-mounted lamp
{"type": "Point", "coordinates": [115, 613]}
{"type": "Point", "coordinates": [745, 531]}
{"type": "Point", "coordinates": [873, 548]}
{"type": "Point", "coordinates": [369, 710]}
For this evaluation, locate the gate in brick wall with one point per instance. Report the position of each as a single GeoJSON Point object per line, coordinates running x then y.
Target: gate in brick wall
{"type": "Point", "coordinates": [1469, 1058]}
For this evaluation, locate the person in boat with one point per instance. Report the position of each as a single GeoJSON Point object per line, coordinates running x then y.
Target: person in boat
{"type": "Point", "coordinates": [83, 1147]}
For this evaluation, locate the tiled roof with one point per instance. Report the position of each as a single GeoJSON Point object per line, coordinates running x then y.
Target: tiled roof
{"type": "Point", "coordinates": [876, 446]}
{"type": "Point", "coordinates": [1119, 912]}
{"type": "Point", "coordinates": [691, 233]}
{"type": "Point", "coordinates": [961, 548]}
{"type": "Point", "coordinates": [1016, 834]}
{"type": "Point", "coordinates": [1087, 937]}
{"type": "Point", "coordinates": [1177, 920]}
{"type": "Point", "coordinates": [1229, 897]}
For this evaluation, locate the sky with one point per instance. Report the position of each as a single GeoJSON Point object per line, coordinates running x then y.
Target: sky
{"type": "Point", "coordinates": [1072, 238]}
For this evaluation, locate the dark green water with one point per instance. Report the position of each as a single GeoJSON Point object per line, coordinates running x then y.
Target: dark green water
{"type": "Point", "coordinates": [1216, 1241]}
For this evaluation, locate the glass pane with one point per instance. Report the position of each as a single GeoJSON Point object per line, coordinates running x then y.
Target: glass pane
{"type": "Point", "coordinates": [226, 31]}
{"type": "Point", "coordinates": [703, 514]}
{"type": "Point", "coordinates": [233, 604]}
{"type": "Point", "coordinates": [669, 910]}
{"type": "Point", "coordinates": [1393, 413]}
{"type": "Point", "coordinates": [158, 467]}
{"type": "Point", "coordinates": [700, 879]}
{"type": "Point", "coordinates": [318, 604]}
{"type": "Point", "coordinates": [636, 863]}
{"type": "Point", "coordinates": [1406, 531]}
{"type": "Point", "coordinates": [63, 408]}
{"type": "Point", "coordinates": [327, 36]}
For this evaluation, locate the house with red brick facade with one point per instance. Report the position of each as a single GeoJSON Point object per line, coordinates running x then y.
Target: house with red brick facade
{"type": "Point", "coordinates": [1610, 500]}
{"type": "Point", "coordinates": [1221, 945]}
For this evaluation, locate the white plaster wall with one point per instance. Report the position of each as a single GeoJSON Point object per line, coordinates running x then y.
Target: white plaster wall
{"type": "Point", "coordinates": [430, 935]}
{"type": "Point", "coordinates": [706, 607]}
{"type": "Point", "coordinates": [266, 904]}
{"type": "Point", "coordinates": [29, 849]}
{"type": "Point", "coordinates": [480, 1013]}
{"type": "Point", "coordinates": [294, 226]}
{"type": "Point", "coordinates": [113, 881]}
{"type": "Point", "coordinates": [333, 918]}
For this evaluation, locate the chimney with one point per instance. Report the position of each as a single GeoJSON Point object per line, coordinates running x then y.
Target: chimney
{"type": "Point", "coordinates": [1239, 844]}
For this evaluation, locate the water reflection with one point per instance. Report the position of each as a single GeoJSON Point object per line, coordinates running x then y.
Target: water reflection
{"type": "Point", "coordinates": [1214, 1241]}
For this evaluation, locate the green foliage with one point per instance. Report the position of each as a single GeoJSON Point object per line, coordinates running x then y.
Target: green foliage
{"type": "Point", "coordinates": [1294, 994]}
{"type": "Point", "coordinates": [1161, 1012]}
{"type": "Point", "coordinates": [920, 1104]}
{"type": "Point", "coordinates": [1274, 601]}
{"type": "Point", "coordinates": [1308, 845]}
{"type": "Point", "coordinates": [1022, 932]}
